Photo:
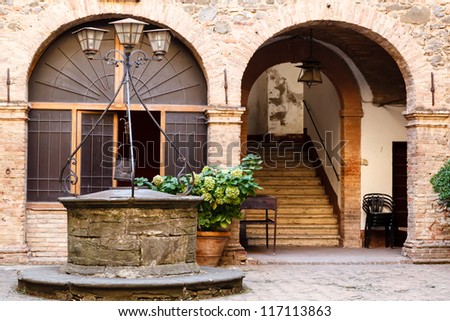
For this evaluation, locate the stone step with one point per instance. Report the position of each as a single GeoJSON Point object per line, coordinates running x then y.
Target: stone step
{"type": "Point", "coordinates": [286, 164]}
{"type": "Point", "coordinates": [303, 200]}
{"type": "Point", "coordinates": [264, 148]}
{"type": "Point", "coordinates": [269, 167]}
{"type": "Point", "coordinates": [282, 158]}
{"type": "Point", "coordinates": [279, 172]}
{"type": "Point", "coordinates": [309, 210]}
{"type": "Point", "coordinates": [300, 219]}
{"type": "Point", "coordinates": [292, 210]}
{"type": "Point", "coordinates": [287, 181]}
{"type": "Point", "coordinates": [277, 149]}
{"type": "Point", "coordinates": [275, 142]}
{"type": "Point", "coordinates": [294, 190]}
{"type": "Point", "coordinates": [282, 161]}
{"type": "Point", "coordinates": [294, 229]}
{"type": "Point", "coordinates": [318, 240]}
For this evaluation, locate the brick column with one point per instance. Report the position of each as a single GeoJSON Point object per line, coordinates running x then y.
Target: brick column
{"type": "Point", "coordinates": [13, 146]}
{"type": "Point", "coordinates": [428, 238]}
{"type": "Point", "coordinates": [224, 148]}
{"type": "Point", "coordinates": [350, 218]}
{"type": "Point", "coordinates": [224, 135]}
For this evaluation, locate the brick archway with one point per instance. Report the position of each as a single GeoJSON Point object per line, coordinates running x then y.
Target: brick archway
{"type": "Point", "coordinates": [382, 29]}
{"type": "Point", "coordinates": [351, 113]}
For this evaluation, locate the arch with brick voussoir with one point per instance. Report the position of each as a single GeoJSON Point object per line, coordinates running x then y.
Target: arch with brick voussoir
{"type": "Point", "coordinates": [194, 38]}
{"type": "Point", "coordinates": [389, 34]}
{"type": "Point", "coordinates": [413, 73]}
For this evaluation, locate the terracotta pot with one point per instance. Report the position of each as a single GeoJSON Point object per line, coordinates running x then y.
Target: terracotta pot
{"type": "Point", "coordinates": [210, 246]}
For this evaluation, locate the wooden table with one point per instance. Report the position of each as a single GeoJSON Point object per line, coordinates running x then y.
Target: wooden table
{"type": "Point", "coordinates": [260, 202]}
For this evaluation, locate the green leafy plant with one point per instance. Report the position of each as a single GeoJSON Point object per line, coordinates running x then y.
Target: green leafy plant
{"type": "Point", "coordinates": [441, 184]}
{"type": "Point", "coordinates": [165, 184]}
{"type": "Point", "coordinates": [223, 191]}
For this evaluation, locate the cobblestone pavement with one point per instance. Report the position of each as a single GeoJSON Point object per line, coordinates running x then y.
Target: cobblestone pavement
{"type": "Point", "coordinates": [346, 282]}
{"type": "Point", "coordinates": [324, 275]}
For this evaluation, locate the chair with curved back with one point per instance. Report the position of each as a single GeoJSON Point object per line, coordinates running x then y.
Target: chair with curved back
{"type": "Point", "coordinates": [379, 209]}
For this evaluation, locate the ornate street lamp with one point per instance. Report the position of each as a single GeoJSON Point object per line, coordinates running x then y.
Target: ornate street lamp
{"type": "Point", "coordinates": [90, 40]}
{"type": "Point", "coordinates": [310, 73]}
{"type": "Point", "coordinates": [160, 41]}
{"type": "Point", "coordinates": [129, 32]}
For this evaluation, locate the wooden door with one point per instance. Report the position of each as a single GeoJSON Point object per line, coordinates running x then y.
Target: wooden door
{"type": "Point", "coordinates": [399, 190]}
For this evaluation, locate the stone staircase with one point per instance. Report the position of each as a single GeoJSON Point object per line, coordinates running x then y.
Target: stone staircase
{"type": "Point", "coordinates": [305, 215]}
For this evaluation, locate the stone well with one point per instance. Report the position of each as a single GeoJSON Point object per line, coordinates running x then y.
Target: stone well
{"type": "Point", "coordinates": [130, 248]}
{"type": "Point", "coordinates": [113, 235]}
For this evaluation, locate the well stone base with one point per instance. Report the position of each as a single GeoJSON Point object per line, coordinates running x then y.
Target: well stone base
{"type": "Point", "coordinates": [50, 283]}
{"type": "Point", "coordinates": [130, 271]}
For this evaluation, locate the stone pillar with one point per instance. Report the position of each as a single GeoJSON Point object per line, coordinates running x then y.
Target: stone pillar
{"type": "Point", "coordinates": [224, 149]}
{"type": "Point", "coordinates": [350, 218]}
{"type": "Point", "coordinates": [224, 135]}
{"type": "Point", "coordinates": [428, 238]}
{"type": "Point", "coordinates": [234, 252]}
{"type": "Point", "coordinates": [13, 146]}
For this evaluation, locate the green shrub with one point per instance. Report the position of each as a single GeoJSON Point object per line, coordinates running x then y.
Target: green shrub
{"type": "Point", "coordinates": [441, 183]}
{"type": "Point", "coordinates": [223, 191]}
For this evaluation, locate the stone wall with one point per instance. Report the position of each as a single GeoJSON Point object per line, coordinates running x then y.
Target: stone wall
{"type": "Point", "coordinates": [224, 34]}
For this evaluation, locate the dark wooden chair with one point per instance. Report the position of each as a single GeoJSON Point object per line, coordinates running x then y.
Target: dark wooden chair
{"type": "Point", "coordinates": [261, 202]}
{"type": "Point", "coordinates": [379, 209]}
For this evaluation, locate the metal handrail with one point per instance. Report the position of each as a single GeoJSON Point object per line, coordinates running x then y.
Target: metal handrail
{"type": "Point", "coordinates": [321, 140]}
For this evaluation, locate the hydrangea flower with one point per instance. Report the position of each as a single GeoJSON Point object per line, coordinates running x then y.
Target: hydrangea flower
{"type": "Point", "coordinates": [207, 197]}
{"type": "Point", "coordinates": [157, 180]}
{"type": "Point", "coordinates": [236, 173]}
{"type": "Point", "coordinates": [197, 179]}
{"type": "Point", "coordinates": [231, 192]}
{"type": "Point", "coordinates": [209, 183]}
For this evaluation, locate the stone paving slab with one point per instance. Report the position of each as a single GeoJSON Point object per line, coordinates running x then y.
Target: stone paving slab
{"type": "Point", "coordinates": [325, 255]}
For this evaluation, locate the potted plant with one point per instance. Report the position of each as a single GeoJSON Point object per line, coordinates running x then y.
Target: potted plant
{"type": "Point", "coordinates": [223, 191]}
{"type": "Point", "coordinates": [441, 185]}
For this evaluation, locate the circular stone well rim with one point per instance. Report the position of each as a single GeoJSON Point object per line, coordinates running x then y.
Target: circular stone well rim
{"type": "Point", "coordinates": [50, 283]}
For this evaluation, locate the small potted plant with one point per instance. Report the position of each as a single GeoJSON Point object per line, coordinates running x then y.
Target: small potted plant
{"type": "Point", "coordinates": [441, 185]}
{"type": "Point", "coordinates": [223, 191]}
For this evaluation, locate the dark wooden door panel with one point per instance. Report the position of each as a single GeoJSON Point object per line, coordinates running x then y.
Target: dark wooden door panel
{"type": "Point", "coordinates": [188, 132]}
{"type": "Point", "coordinates": [399, 189]}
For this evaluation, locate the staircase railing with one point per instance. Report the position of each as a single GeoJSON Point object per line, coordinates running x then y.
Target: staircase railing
{"type": "Point", "coordinates": [321, 140]}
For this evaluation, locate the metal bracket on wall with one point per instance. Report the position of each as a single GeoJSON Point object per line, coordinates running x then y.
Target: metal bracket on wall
{"type": "Point", "coordinates": [432, 89]}
{"type": "Point", "coordinates": [225, 85]}
{"type": "Point", "coordinates": [8, 86]}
